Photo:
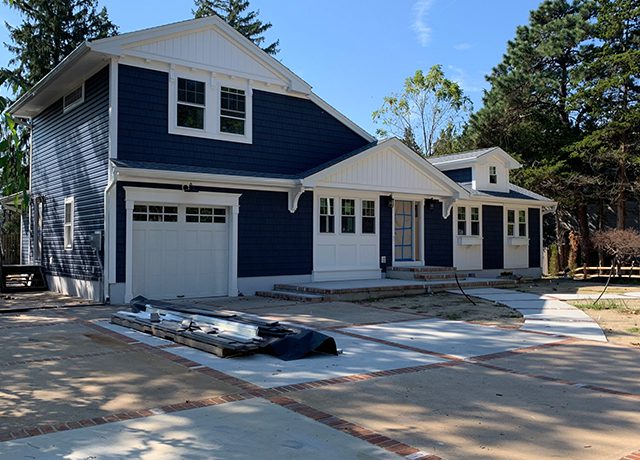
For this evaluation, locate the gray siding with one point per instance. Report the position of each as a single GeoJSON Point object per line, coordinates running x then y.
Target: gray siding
{"type": "Point", "coordinates": [70, 156]}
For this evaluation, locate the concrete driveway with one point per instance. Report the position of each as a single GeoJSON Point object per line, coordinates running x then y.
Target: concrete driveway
{"type": "Point", "coordinates": [75, 386]}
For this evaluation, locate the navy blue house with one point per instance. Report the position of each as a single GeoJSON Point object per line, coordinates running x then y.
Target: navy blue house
{"type": "Point", "coordinates": [183, 161]}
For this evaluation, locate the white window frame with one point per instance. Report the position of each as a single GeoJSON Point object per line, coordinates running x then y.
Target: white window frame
{"type": "Point", "coordinates": [354, 216]}
{"type": "Point", "coordinates": [212, 108]}
{"type": "Point", "coordinates": [493, 172]}
{"type": "Point", "coordinates": [66, 108]}
{"type": "Point", "coordinates": [458, 221]}
{"type": "Point", "coordinates": [516, 222]}
{"type": "Point", "coordinates": [363, 217]}
{"type": "Point", "coordinates": [68, 244]}
{"type": "Point", "coordinates": [331, 208]}
{"type": "Point", "coordinates": [192, 104]}
{"type": "Point", "coordinates": [468, 235]}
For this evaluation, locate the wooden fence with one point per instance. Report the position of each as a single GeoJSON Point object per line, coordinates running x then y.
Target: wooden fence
{"type": "Point", "coordinates": [585, 272]}
{"type": "Point", "coordinates": [10, 244]}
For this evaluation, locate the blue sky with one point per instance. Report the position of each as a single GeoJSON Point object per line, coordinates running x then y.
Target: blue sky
{"type": "Point", "coordinates": [354, 52]}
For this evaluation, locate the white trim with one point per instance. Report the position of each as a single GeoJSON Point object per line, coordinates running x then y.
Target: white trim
{"type": "Point", "coordinates": [445, 165]}
{"type": "Point", "coordinates": [139, 194]}
{"type": "Point", "coordinates": [113, 108]}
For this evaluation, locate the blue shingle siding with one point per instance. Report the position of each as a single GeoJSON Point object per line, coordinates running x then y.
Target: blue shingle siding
{"type": "Point", "coordinates": [492, 237]}
{"type": "Point", "coordinates": [290, 134]}
{"type": "Point", "coordinates": [271, 240]}
{"type": "Point", "coordinates": [386, 231]}
{"type": "Point", "coordinates": [438, 236]}
{"type": "Point", "coordinates": [459, 175]}
{"type": "Point", "coordinates": [534, 238]}
{"type": "Point", "coordinates": [70, 155]}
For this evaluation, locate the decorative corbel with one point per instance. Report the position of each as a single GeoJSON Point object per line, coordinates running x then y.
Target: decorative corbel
{"type": "Point", "coordinates": [294, 197]}
{"type": "Point", "coordinates": [447, 205]}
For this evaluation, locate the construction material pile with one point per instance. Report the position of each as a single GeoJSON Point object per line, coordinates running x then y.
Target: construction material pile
{"type": "Point", "coordinates": [223, 333]}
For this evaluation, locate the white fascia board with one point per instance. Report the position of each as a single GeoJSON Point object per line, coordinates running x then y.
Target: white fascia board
{"type": "Point", "coordinates": [342, 118]}
{"type": "Point", "coordinates": [118, 45]}
{"type": "Point", "coordinates": [510, 162]}
{"type": "Point", "coordinates": [512, 201]}
{"type": "Point", "coordinates": [422, 165]}
{"type": "Point", "coordinates": [205, 179]}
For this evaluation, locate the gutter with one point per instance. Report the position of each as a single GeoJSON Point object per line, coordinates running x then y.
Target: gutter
{"type": "Point", "coordinates": [75, 55]}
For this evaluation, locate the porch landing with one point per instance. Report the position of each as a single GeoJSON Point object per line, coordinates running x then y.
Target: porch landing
{"type": "Point", "coordinates": [348, 290]}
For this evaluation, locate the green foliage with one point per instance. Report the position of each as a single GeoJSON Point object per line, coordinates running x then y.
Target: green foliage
{"type": "Point", "coordinates": [233, 12]}
{"type": "Point", "coordinates": [49, 31]}
{"type": "Point", "coordinates": [428, 104]}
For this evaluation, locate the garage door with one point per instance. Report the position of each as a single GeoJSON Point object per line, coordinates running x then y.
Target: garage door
{"type": "Point", "coordinates": [180, 251]}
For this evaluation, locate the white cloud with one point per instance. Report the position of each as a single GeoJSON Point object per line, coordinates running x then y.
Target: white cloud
{"type": "Point", "coordinates": [462, 46]}
{"type": "Point", "coordinates": [461, 77]}
{"type": "Point", "coordinates": [423, 31]}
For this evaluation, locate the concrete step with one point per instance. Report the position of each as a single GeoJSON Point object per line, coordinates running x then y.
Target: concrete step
{"type": "Point", "coordinates": [438, 276]}
{"type": "Point", "coordinates": [424, 268]}
{"type": "Point", "coordinates": [292, 295]}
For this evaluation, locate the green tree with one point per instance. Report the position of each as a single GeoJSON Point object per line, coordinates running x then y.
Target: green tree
{"type": "Point", "coordinates": [49, 31]}
{"type": "Point", "coordinates": [427, 104]}
{"type": "Point", "coordinates": [235, 14]}
{"type": "Point", "coordinates": [609, 92]}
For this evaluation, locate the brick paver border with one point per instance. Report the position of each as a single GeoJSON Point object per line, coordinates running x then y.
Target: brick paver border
{"type": "Point", "coordinates": [632, 456]}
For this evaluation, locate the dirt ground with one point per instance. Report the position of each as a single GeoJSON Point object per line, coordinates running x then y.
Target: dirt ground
{"type": "Point", "coordinates": [452, 307]}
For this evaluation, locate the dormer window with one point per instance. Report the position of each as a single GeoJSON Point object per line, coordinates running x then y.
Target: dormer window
{"type": "Point", "coordinates": [191, 103]}
{"type": "Point", "coordinates": [202, 104]}
{"type": "Point", "coordinates": [493, 175]}
{"type": "Point", "coordinates": [73, 99]}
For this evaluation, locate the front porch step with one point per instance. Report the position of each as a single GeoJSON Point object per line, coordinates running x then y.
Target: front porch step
{"type": "Point", "coordinates": [422, 273]}
{"type": "Point", "coordinates": [438, 276]}
{"type": "Point", "coordinates": [291, 295]}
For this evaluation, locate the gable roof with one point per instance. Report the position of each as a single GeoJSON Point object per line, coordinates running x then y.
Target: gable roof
{"type": "Point", "coordinates": [91, 56]}
{"type": "Point", "coordinates": [463, 158]}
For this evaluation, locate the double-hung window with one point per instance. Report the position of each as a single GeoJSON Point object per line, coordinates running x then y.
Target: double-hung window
{"type": "Point", "coordinates": [493, 175]}
{"type": "Point", "coordinates": [368, 217]}
{"type": "Point", "coordinates": [475, 221]}
{"type": "Point", "coordinates": [522, 222]}
{"type": "Point", "coordinates": [191, 104]}
{"type": "Point", "coordinates": [348, 216]}
{"type": "Point", "coordinates": [462, 220]}
{"type": "Point", "coordinates": [69, 211]}
{"type": "Point", "coordinates": [233, 110]}
{"type": "Point", "coordinates": [511, 222]}
{"type": "Point", "coordinates": [519, 227]}
{"type": "Point", "coordinates": [327, 215]}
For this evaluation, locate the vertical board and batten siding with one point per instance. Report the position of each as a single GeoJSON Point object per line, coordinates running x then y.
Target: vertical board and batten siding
{"type": "Point", "coordinates": [492, 237]}
{"type": "Point", "coordinates": [534, 238]}
{"type": "Point", "coordinates": [70, 156]}
{"type": "Point", "coordinates": [290, 134]}
{"type": "Point", "coordinates": [459, 175]}
{"type": "Point", "coordinates": [438, 236]}
{"type": "Point", "coordinates": [386, 232]}
{"type": "Point", "coordinates": [271, 240]}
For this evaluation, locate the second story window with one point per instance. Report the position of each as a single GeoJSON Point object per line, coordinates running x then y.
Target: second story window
{"type": "Point", "coordinates": [493, 175]}
{"type": "Point", "coordinates": [232, 110]}
{"type": "Point", "coordinates": [191, 103]}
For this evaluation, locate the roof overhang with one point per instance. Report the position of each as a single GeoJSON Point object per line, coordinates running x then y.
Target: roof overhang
{"type": "Point", "coordinates": [457, 163]}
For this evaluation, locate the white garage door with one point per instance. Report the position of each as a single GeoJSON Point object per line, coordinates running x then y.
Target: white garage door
{"type": "Point", "coordinates": [180, 251]}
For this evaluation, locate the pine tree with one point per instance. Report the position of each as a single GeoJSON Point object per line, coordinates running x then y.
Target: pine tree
{"type": "Point", "coordinates": [235, 14]}
{"type": "Point", "coordinates": [49, 31]}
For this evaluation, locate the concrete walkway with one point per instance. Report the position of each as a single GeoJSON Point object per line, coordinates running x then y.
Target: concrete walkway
{"type": "Point", "coordinates": [542, 314]}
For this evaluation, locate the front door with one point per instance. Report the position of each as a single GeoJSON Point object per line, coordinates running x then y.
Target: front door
{"type": "Point", "coordinates": [407, 234]}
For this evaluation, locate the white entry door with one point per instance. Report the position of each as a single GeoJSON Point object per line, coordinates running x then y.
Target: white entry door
{"type": "Point", "coordinates": [180, 251]}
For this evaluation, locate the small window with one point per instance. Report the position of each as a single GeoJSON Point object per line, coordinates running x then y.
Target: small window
{"type": "Point", "coordinates": [522, 222]}
{"type": "Point", "coordinates": [327, 215]}
{"type": "Point", "coordinates": [368, 216]}
{"type": "Point", "coordinates": [511, 222]}
{"type": "Point", "coordinates": [475, 221]}
{"type": "Point", "coordinates": [69, 211]}
{"type": "Point", "coordinates": [232, 110]}
{"type": "Point", "coordinates": [73, 99]}
{"type": "Point", "coordinates": [348, 216]}
{"type": "Point", "coordinates": [155, 213]}
{"type": "Point", "coordinates": [462, 220]}
{"type": "Point", "coordinates": [191, 103]}
{"type": "Point", "coordinates": [206, 215]}
{"type": "Point", "coordinates": [493, 175]}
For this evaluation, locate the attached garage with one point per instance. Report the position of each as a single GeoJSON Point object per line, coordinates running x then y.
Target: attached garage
{"type": "Point", "coordinates": [181, 244]}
